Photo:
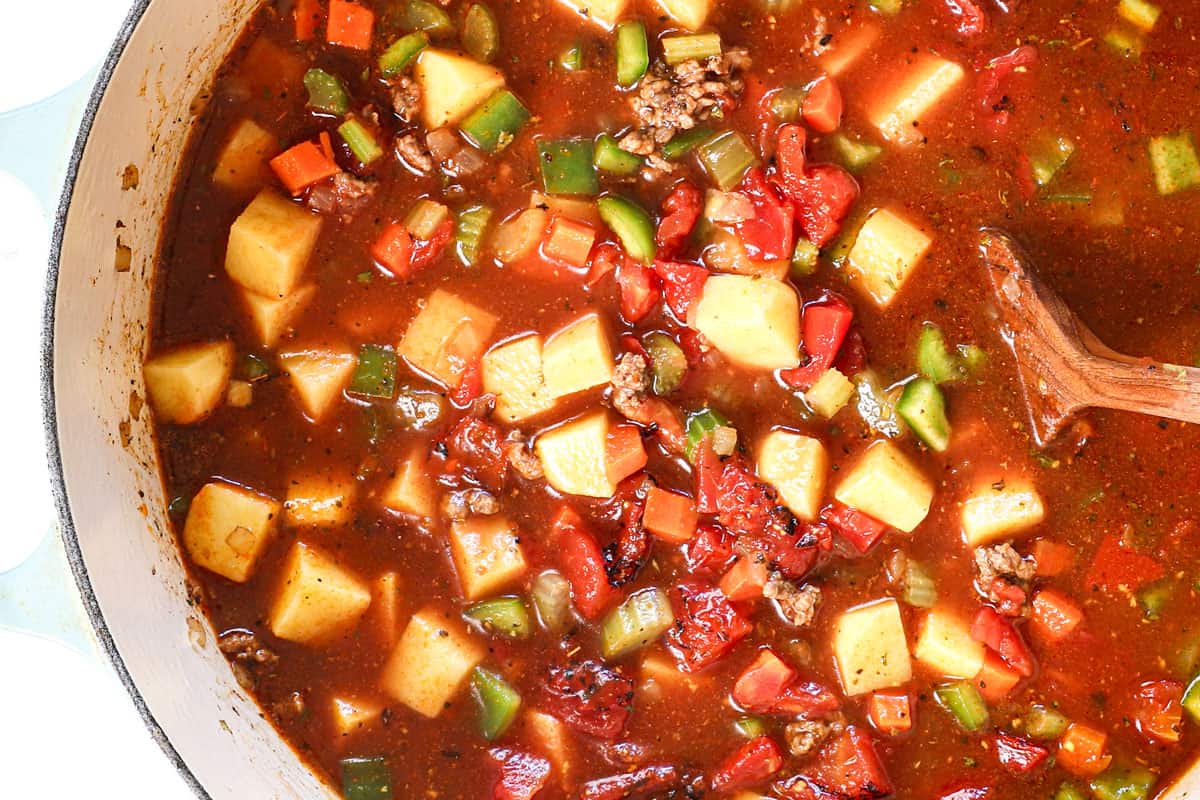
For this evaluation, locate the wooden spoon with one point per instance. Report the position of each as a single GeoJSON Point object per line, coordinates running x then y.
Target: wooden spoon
{"type": "Point", "coordinates": [1062, 365]}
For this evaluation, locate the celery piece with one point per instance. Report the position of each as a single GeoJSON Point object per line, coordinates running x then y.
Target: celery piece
{"type": "Point", "coordinates": [425, 218]}
{"type": "Point", "coordinates": [609, 157]}
{"type": "Point", "coordinates": [1174, 161]}
{"type": "Point", "coordinates": [677, 49]}
{"type": "Point", "coordinates": [684, 143]}
{"type": "Point", "coordinates": [402, 52]}
{"type": "Point", "coordinates": [1042, 722]}
{"type": "Point", "coordinates": [787, 101]}
{"type": "Point", "coordinates": [375, 375]}
{"type": "Point", "coordinates": [1123, 783]}
{"type": "Point", "coordinates": [726, 157]}
{"type": "Point", "coordinates": [643, 617]}
{"type": "Point", "coordinates": [494, 125]}
{"type": "Point", "coordinates": [920, 591]}
{"type": "Point", "coordinates": [965, 703]}
{"type": "Point", "coordinates": [497, 700]}
{"type": "Point", "coordinates": [922, 406]}
{"type": "Point", "coordinates": [469, 227]}
{"type": "Point", "coordinates": [422, 15]}
{"type": "Point", "coordinates": [366, 778]}
{"type": "Point", "coordinates": [750, 727]}
{"type": "Point", "coordinates": [1048, 156]}
{"type": "Point", "coordinates": [855, 155]}
{"type": "Point", "coordinates": [667, 362]}
{"type": "Point", "coordinates": [631, 224]}
{"type": "Point", "coordinates": [503, 616]}
{"type": "Point", "coordinates": [360, 140]}
{"type": "Point", "coordinates": [632, 52]}
{"type": "Point", "coordinates": [804, 258]}
{"type": "Point", "coordinates": [325, 92]}
{"type": "Point", "coordinates": [566, 166]}
{"type": "Point", "coordinates": [480, 33]}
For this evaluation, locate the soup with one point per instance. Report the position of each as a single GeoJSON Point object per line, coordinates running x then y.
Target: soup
{"type": "Point", "coordinates": [606, 400]}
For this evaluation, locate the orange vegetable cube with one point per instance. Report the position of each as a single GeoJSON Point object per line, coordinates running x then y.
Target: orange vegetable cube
{"type": "Point", "coordinates": [670, 515]}
{"type": "Point", "coordinates": [569, 242]}
{"type": "Point", "coordinates": [890, 712]}
{"type": "Point", "coordinates": [1081, 751]}
{"type": "Point", "coordinates": [624, 452]}
{"type": "Point", "coordinates": [350, 25]}
{"type": "Point", "coordinates": [1054, 615]}
{"type": "Point", "coordinates": [303, 165]}
{"type": "Point", "coordinates": [745, 579]}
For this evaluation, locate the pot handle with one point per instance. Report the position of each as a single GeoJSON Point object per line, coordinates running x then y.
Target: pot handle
{"type": "Point", "coordinates": [39, 596]}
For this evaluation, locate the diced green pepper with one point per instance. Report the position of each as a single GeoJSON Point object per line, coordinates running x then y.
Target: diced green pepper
{"type": "Point", "coordinates": [366, 778]}
{"type": "Point", "coordinates": [1048, 156]}
{"type": "Point", "coordinates": [252, 368]}
{"type": "Point", "coordinates": [632, 52]}
{"type": "Point", "coordinates": [1123, 783]}
{"type": "Point", "coordinates": [750, 727]}
{"type": "Point", "coordinates": [1043, 722]}
{"type": "Point", "coordinates": [566, 166]}
{"type": "Point", "coordinates": [1174, 161]}
{"type": "Point", "coordinates": [497, 700]}
{"type": "Point", "coordinates": [360, 140]}
{"type": "Point", "coordinates": [631, 224]}
{"type": "Point", "coordinates": [494, 125]}
{"type": "Point", "coordinates": [701, 424]}
{"type": "Point", "coordinates": [964, 701]}
{"type": "Point", "coordinates": [609, 157]}
{"type": "Point", "coordinates": [480, 33]}
{"type": "Point", "coordinates": [402, 52]}
{"type": "Point", "coordinates": [938, 364]}
{"type": "Point", "coordinates": [642, 618]}
{"type": "Point", "coordinates": [469, 227]}
{"type": "Point", "coordinates": [677, 49]}
{"type": "Point", "coordinates": [1191, 699]}
{"type": "Point", "coordinates": [325, 92]}
{"type": "Point", "coordinates": [375, 375]}
{"type": "Point", "coordinates": [667, 363]}
{"type": "Point", "coordinates": [503, 616]}
{"type": "Point", "coordinates": [920, 590]}
{"type": "Point", "coordinates": [1154, 598]}
{"type": "Point", "coordinates": [422, 15]}
{"type": "Point", "coordinates": [1069, 791]}
{"type": "Point", "coordinates": [787, 101]}
{"type": "Point", "coordinates": [856, 155]}
{"type": "Point", "coordinates": [684, 142]}
{"type": "Point", "coordinates": [804, 258]}
{"type": "Point", "coordinates": [726, 157]}
{"type": "Point", "coordinates": [923, 408]}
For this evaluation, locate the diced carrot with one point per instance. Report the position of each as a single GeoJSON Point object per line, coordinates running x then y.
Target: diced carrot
{"type": "Point", "coordinates": [625, 453]}
{"type": "Point", "coordinates": [848, 47]}
{"type": "Point", "coordinates": [393, 249]}
{"type": "Point", "coordinates": [1081, 751]}
{"type": "Point", "coordinates": [890, 712]}
{"type": "Point", "coordinates": [822, 107]}
{"type": "Point", "coordinates": [308, 17]}
{"type": "Point", "coordinates": [1053, 558]}
{"type": "Point", "coordinates": [670, 515]}
{"type": "Point", "coordinates": [301, 166]}
{"type": "Point", "coordinates": [1116, 566]}
{"type": "Point", "coordinates": [569, 242]}
{"type": "Point", "coordinates": [1054, 615]}
{"type": "Point", "coordinates": [745, 579]}
{"type": "Point", "coordinates": [326, 143]}
{"type": "Point", "coordinates": [996, 679]}
{"type": "Point", "coordinates": [349, 25]}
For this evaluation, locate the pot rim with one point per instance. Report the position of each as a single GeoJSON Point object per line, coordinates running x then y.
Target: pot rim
{"type": "Point", "coordinates": [70, 536]}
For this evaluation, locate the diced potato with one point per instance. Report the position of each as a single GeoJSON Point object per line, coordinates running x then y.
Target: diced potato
{"type": "Point", "coordinates": [830, 394]}
{"type": "Point", "coordinates": [871, 648]}
{"type": "Point", "coordinates": [513, 372]}
{"type": "Point", "coordinates": [430, 663]}
{"type": "Point", "coordinates": [412, 490]}
{"type": "Point", "coordinates": [242, 166]}
{"type": "Point", "coordinates": [993, 513]}
{"type": "Point", "coordinates": [487, 554]}
{"type": "Point", "coordinates": [228, 527]}
{"type": "Point", "coordinates": [797, 467]}
{"type": "Point", "coordinates": [725, 253]}
{"type": "Point", "coordinates": [754, 322]}
{"type": "Point", "coordinates": [885, 484]}
{"type": "Point", "coordinates": [318, 377]}
{"type": "Point", "coordinates": [239, 394]}
{"type": "Point", "coordinates": [847, 48]}
{"type": "Point", "coordinates": [272, 317]}
{"type": "Point", "coordinates": [661, 675]}
{"type": "Point", "coordinates": [573, 456]}
{"type": "Point", "coordinates": [691, 14]}
{"type": "Point", "coordinates": [886, 252]}
{"type": "Point", "coordinates": [577, 357]}
{"type": "Point", "coordinates": [317, 598]}
{"type": "Point", "coordinates": [352, 714]}
{"type": "Point", "coordinates": [187, 384]}
{"type": "Point", "coordinates": [321, 501]}
{"type": "Point", "coordinates": [452, 85]}
{"type": "Point", "coordinates": [447, 334]}
{"type": "Point", "coordinates": [552, 739]}
{"type": "Point", "coordinates": [385, 607]}
{"type": "Point", "coordinates": [270, 243]}
{"type": "Point", "coordinates": [901, 114]}
{"type": "Point", "coordinates": [604, 13]}
{"type": "Point", "coordinates": [519, 237]}
{"type": "Point", "coordinates": [569, 207]}
{"type": "Point", "coordinates": [945, 646]}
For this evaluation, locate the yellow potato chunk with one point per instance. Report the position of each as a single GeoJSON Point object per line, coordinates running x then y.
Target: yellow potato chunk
{"type": "Point", "coordinates": [871, 648]}
{"type": "Point", "coordinates": [552, 739]}
{"type": "Point", "coordinates": [446, 334]}
{"type": "Point", "coordinates": [242, 166]}
{"type": "Point", "coordinates": [487, 554]}
{"type": "Point", "coordinates": [796, 466]}
{"type": "Point", "coordinates": [228, 527]}
{"type": "Point", "coordinates": [573, 456]}
{"type": "Point", "coordinates": [754, 322]}
{"type": "Point", "coordinates": [993, 513]}
{"type": "Point", "coordinates": [660, 676]}
{"type": "Point", "coordinates": [411, 491]}
{"type": "Point", "coordinates": [830, 393]}
{"type": "Point", "coordinates": [317, 599]}
{"type": "Point", "coordinates": [272, 317]}
{"type": "Point", "coordinates": [885, 484]}
{"type": "Point", "coordinates": [518, 237]}
{"type": "Point", "coordinates": [884, 255]}
{"type": "Point", "coordinates": [902, 113]}
{"type": "Point", "coordinates": [605, 13]}
{"type": "Point", "coordinates": [320, 501]}
{"type": "Point", "coordinates": [691, 14]}
{"type": "Point", "coordinates": [569, 207]}
{"type": "Point", "coordinates": [318, 377]}
{"type": "Point", "coordinates": [577, 357]}
{"type": "Point", "coordinates": [430, 663]}
{"type": "Point", "coordinates": [452, 85]}
{"type": "Point", "coordinates": [848, 47]}
{"type": "Point", "coordinates": [513, 372]}
{"type": "Point", "coordinates": [270, 244]}
{"type": "Point", "coordinates": [187, 384]}
{"type": "Point", "coordinates": [945, 646]}
{"type": "Point", "coordinates": [352, 714]}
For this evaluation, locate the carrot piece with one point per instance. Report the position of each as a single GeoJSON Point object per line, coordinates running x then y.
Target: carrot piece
{"type": "Point", "coordinates": [745, 579]}
{"type": "Point", "coordinates": [822, 107]}
{"type": "Point", "coordinates": [890, 712]}
{"type": "Point", "coordinates": [1054, 615]}
{"type": "Point", "coordinates": [625, 453]}
{"type": "Point", "coordinates": [393, 249]}
{"type": "Point", "coordinates": [326, 143]}
{"type": "Point", "coordinates": [307, 14]}
{"type": "Point", "coordinates": [1081, 751]}
{"type": "Point", "coordinates": [996, 678]}
{"type": "Point", "coordinates": [301, 166]}
{"type": "Point", "coordinates": [349, 25]}
{"type": "Point", "coordinates": [1053, 558]}
{"type": "Point", "coordinates": [569, 242]}
{"type": "Point", "coordinates": [670, 515]}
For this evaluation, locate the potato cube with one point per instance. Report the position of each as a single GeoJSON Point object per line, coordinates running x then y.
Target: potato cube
{"type": "Point", "coordinates": [884, 255]}
{"type": "Point", "coordinates": [691, 14]}
{"type": "Point", "coordinates": [518, 237]}
{"type": "Point", "coordinates": [272, 317]}
{"type": "Point", "coordinates": [240, 394]}
{"type": "Point", "coordinates": [412, 490]}
{"type": "Point", "coordinates": [945, 646]}
{"type": "Point", "coordinates": [551, 738]}
{"type": "Point", "coordinates": [885, 484]}
{"type": "Point", "coordinates": [993, 513]}
{"type": "Point", "coordinates": [900, 115]}
{"type": "Point", "coordinates": [830, 394]}
{"type": "Point", "coordinates": [353, 714]}
{"type": "Point", "coordinates": [797, 467]}
{"type": "Point", "coordinates": [577, 357]}
{"type": "Point", "coordinates": [604, 13]}
{"type": "Point", "coordinates": [430, 663]}
{"type": "Point", "coordinates": [452, 85]}
{"type": "Point", "coordinates": [228, 527]}
{"type": "Point", "coordinates": [487, 554]}
{"type": "Point", "coordinates": [573, 456]}
{"type": "Point", "coordinates": [317, 599]}
{"type": "Point", "coordinates": [318, 377]}
{"type": "Point", "coordinates": [513, 372]}
{"type": "Point", "coordinates": [270, 244]}
{"type": "Point", "coordinates": [871, 648]}
{"type": "Point", "coordinates": [754, 322]}
{"type": "Point", "coordinates": [447, 334]}
{"type": "Point", "coordinates": [242, 166]}
{"type": "Point", "coordinates": [322, 501]}
{"type": "Point", "coordinates": [661, 675]}
{"type": "Point", "coordinates": [570, 207]}
{"type": "Point", "coordinates": [187, 384]}
{"type": "Point", "coordinates": [848, 47]}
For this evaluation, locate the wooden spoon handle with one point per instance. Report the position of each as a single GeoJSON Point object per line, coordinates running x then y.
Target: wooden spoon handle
{"type": "Point", "coordinates": [1140, 385]}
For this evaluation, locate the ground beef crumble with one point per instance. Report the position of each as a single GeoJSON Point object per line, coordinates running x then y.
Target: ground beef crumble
{"type": "Point", "coordinates": [522, 459]}
{"type": "Point", "coordinates": [406, 98]}
{"type": "Point", "coordinates": [413, 153]}
{"type": "Point", "coordinates": [805, 735]}
{"type": "Point", "coordinates": [798, 604]}
{"type": "Point", "coordinates": [1004, 577]}
{"type": "Point", "coordinates": [341, 195]}
{"type": "Point", "coordinates": [630, 383]}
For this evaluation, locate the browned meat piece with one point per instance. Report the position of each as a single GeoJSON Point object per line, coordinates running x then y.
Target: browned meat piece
{"type": "Point", "coordinates": [341, 195]}
{"type": "Point", "coordinates": [1003, 561]}
{"type": "Point", "coordinates": [522, 459]}
{"type": "Point", "coordinates": [630, 383]}
{"type": "Point", "coordinates": [243, 646]}
{"type": "Point", "coordinates": [406, 98]}
{"type": "Point", "coordinates": [805, 735]}
{"type": "Point", "coordinates": [798, 604]}
{"type": "Point", "coordinates": [290, 707]}
{"type": "Point", "coordinates": [414, 154]}
{"type": "Point", "coordinates": [648, 781]}
{"type": "Point", "coordinates": [464, 503]}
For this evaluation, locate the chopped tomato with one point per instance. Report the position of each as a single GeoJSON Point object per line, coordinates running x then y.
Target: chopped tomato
{"type": "Point", "coordinates": [710, 550]}
{"type": "Point", "coordinates": [751, 764]}
{"type": "Point", "coordinates": [1007, 597]}
{"type": "Point", "coordinates": [822, 107]}
{"type": "Point", "coordinates": [582, 563]}
{"type": "Point", "coordinates": [707, 626]}
{"type": "Point", "coordinates": [670, 515]}
{"type": "Point", "coordinates": [860, 529]}
{"type": "Point", "coordinates": [1053, 558]}
{"type": "Point", "coordinates": [1082, 751]}
{"type": "Point", "coordinates": [999, 634]}
{"type": "Point", "coordinates": [663, 420]}
{"type": "Point", "coordinates": [426, 251]}
{"type": "Point", "coordinates": [590, 697]}
{"type": "Point", "coordinates": [605, 258]}
{"type": "Point", "coordinates": [761, 684]}
{"type": "Point", "coordinates": [349, 25]}
{"type": "Point", "coordinates": [644, 782]}
{"type": "Point", "coordinates": [522, 776]}
{"type": "Point", "coordinates": [624, 452]}
{"type": "Point", "coordinates": [682, 286]}
{"type": "Point", "coordinates": [821, 198]}
{"type": "Point", "coordinates": [1054, 615]}
{"type": "Point", "coordinates": [995, 104]}
{"type": "Point", "coordinates": [470, 385]}
{"type": "Point", "coordinates": [1118, 566]}
{"type": "Point", "coordinates": [890, 712]}
{"type": "Point", "coordinates": [1158, 710]}
{"type": "Point", "coordinates": [852, 358]}
{"type": "Point", "coordinates": [639, 290]}
{"type": "Point", "coordinates": [307, 15]}
{"type": "Point", "coordinates": [969, 18]}
{"type": "Point", "coordinates": [846, 767]}
{"type": "Point", "coordinates": [825, 324]}
{"type": "Point", "coordinates": [745, 579]}
{"type": "Point", "coordinates": [1019, 756]}
{"type": "Point", "coordinates": [393, 249]}
{"type": "Point", "coordinates": [706, 473]}
{"type": "Point", "coordinates": [680, 211]}
{"type": "Point", "coordinates": [623, 559]}
{"type": "Point", "coordinates": [807, 699]}
{"type": "Point", "coordinates": [750, 508]}
{"type": "Point", "coordinates": [477, 445]}
{"type": "Point", "coordinates": [767, 236]}
{"type": "Point", "coordinates": [961, 792]}
{"type": "Point", "coordinates": [996, 678]}
{"type": "Point", "coordinates": [791, 154]}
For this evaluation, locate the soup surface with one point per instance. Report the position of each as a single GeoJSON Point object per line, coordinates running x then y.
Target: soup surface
{"type": "Point", "coordinates": [608, 401]}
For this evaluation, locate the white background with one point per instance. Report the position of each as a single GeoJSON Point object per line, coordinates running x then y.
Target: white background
{"type": "Point", "coordinates": [69, 729]}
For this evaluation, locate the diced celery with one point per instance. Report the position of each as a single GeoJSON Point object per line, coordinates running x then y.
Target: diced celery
{"type": "Point", "coordinates": [502, 616]}
{"type": "Point", "coordinates": [684, 142]}
{"type": "Point", "coordinates": [325, 92]}
{"type": "Point", "coordinates": [750, 727]}
{"type": "Point", "coordinates": [1048, 156]}
{"type": "Point", "coordinates": [938, 364]}
{"type": "Point", "coordinates": [1069, 791]}
{"type": "Point", "coordinates": [360, 140]}
{"type": "Point", "coordinates": [701, 424]}
{"type": "Point", "coordinates": [480, 33]}
{"type": "Point", "coordinates": [1184, 658]}
{"type": "Point", "coordinates": [609, 157]}
{"type": "Point", "coordinates": [497, 700]}
{"type": "Point", "coordinates": [1154, 598]}
{"type": "Point", "coordinates": [469, 227]}
{"type": "Point", "coordinates": [252, 368]}
{"type": "Point", "coordinates": [571, 59]}
{"type": "Point", "coordinates": [1139, 13]}
{"type": "Point", "coordinates": [855, 155]}
{"type": "Point", "coordinates": [923, 408]}
{"type": "Point", "coordinates": [786, 103]}
{"type": "Point", "coordinates": [726, 157]}
{"type": "Point", "coordinates": [494, 125]}
{"type": "Point", "coordinates": [920, 591]}
{"type": "Point", "coordinates": [643, 617]}
{"type": "Point", "coordinates": [667, 362]}
{"type": "Point", "coordinates": [566, 166]}
{"type": "Point", "coordinates": [1191, 699]}
{"type": "Point", "coordinates": [425, 218]}
{"type": "Point", "coordinates": [402, 52]}
{"type": "Point", "coordinates": [964, 701]}
{"type": "Point", "coordinates": [631, 224]}
{"type": "Point", "coordinates": [632, 52]}
{"type": "Point", "coordinates": [1043, 722]}
{"type": "Point", "coordinates": [677, 49]}
{"type": "Point", "coordinates": [375, 375]}
{"type": "Point", "coordinates": [1123, 783]}
{"type": "Point", "coordinates": [1174, 161]}
{"type": "Point", "coordinates": [366, 778]}
{"type": "Point", "coordinates": [839, 251]}
{"type": "Point", "coordinates": [551, 594]}
{"type": "Point", "coordinates": [422, 15]}
{"type": "Point", "coordinates": [804, 258]}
